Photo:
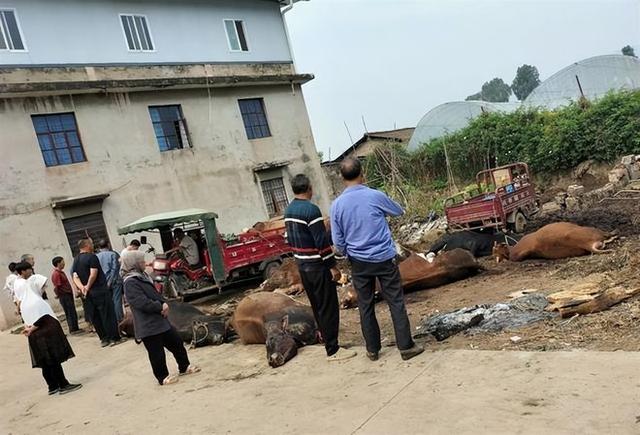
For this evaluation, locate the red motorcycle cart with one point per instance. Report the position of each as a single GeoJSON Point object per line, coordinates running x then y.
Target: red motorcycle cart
{"type": "Point", "coordinates": [224, 259]}
{"type": "Point", "coordinates": [506, 199]}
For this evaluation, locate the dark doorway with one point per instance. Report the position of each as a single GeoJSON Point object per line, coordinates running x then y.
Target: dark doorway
{"type": "Point", "coordinates": [90, 225]}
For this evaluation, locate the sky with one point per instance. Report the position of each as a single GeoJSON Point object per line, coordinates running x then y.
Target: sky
{"type": "Point", "coordinates": [391, 61]}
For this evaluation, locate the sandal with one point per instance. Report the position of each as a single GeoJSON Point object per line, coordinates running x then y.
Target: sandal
{"type": "Point", "coordinates": [190, 370]}
{"type": "Point", "coordinates": [171, 379]}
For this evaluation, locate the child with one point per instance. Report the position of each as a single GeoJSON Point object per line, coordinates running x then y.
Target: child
{"type": "Point", "coordinates": [64, 293]}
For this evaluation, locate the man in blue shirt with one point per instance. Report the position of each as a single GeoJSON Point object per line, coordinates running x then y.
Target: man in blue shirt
{"type": "Point", "coordinates": [110, 263]}
{"type": "Point", "coordinates": [360, 230]}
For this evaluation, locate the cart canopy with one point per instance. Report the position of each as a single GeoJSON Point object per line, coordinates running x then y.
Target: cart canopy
{"type": "Point", "coordinates": [167, 219]}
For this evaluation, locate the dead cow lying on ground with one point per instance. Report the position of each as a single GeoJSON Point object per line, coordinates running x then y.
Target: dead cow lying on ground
{"type": "Point", "coordinates": [479, 244]}
{"type": "Point", "coordinates": [277, 321]}
{"type": "Point", "coordinates": [554, 241]}
{"type": "Point", "coordinates": [193, 326]}
{"type": "Point", "coordinates": [419, 274]}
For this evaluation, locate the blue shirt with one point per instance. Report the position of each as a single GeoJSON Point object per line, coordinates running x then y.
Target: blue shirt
{"type": "Point", "coordinates": [110, 266]}
{"type": "Point", "coordinates": [358, 224]}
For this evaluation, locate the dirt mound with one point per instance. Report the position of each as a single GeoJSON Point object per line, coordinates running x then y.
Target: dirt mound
{"type": "Point", "coordinates": [622, 216]}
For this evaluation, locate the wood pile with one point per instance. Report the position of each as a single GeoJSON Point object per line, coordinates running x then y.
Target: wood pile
{"type": "Point", "coordinates": [588, 298]}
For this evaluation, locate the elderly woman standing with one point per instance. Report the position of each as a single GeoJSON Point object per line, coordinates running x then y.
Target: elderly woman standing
{"type": "Point", "coordinates": [48, 345]}
{"type": "Point", "coordinates": [150, 322]}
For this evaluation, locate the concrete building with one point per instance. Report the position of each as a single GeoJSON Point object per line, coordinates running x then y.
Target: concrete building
{"type": "Point", "coordinates": [115, 110]}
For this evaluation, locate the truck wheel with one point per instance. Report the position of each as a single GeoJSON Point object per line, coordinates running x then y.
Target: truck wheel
{"type": "Point", "coordinates": [269, 270]}
{"type": "Point", "coordinates": [519, 223]}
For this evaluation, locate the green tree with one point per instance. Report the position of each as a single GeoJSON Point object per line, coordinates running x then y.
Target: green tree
{"type": "Point", "coordinates": [527, 79]}
{"type": "Point", "coordinates": [496, 91]}
{"type": "Point", "coordinates": [627, 50]}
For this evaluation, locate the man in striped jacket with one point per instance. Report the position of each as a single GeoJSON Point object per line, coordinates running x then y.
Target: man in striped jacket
{"type": "Point", "coordinates": [312, 250]}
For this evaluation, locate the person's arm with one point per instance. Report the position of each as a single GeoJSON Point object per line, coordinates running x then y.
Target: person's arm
{"type": "Point", "coordinates": [388, 205]}
{"type": "Point", "coordinates": [337, 235]}
{"type": "Point", "coordinates": [319, 233]}
{"type": "Point", "coordinates": [139, 300]}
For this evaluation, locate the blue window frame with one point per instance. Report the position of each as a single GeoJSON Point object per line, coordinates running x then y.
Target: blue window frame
{"type": "Point", "coordinates": [170, 127]}
{"type": "Point", "coordinates": [58, 138]}
{"type": "Point", "coordinates": [254, 118]}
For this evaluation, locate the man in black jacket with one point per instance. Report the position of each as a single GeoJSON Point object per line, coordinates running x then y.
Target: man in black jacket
{"type": "Point", "coordinates": [308, 239]}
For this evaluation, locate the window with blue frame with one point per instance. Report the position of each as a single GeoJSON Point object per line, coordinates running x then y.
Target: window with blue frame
{"type": "Point", "coordinates": [170, 127]}
{"type": "Point", "coordinates": [58, 138]}
{"type": "Point", "coordinates": [254, 118]}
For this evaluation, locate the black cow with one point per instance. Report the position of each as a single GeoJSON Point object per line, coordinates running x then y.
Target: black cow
{"type": "Point", "coordinates": [193, 326]}
{"type": "Point", "coordinates": [479, 244]}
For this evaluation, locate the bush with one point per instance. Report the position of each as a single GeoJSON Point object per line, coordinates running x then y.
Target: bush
{"type": "Point", "coordinates": [548, 141]}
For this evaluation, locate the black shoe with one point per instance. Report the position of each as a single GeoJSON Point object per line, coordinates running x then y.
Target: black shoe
{"type": "Point", "coordinates": [410, 353]}
{"type": "Point", "coordinates": [373, 356]}
{"type": "Point", "coordinates": [69, 388]}
{"type": "Point", "coordinates": [104, 343]}
{"type": "Point", "coordinates": [52, 392]}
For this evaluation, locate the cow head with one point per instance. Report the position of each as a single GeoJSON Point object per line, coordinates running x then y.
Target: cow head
{"type": "Point", "coordinates": [209, 331]}
{"type": "Point", "coordinates": [500, 251]}
{"type": "Point", "coordinates": [348, 298]}
{"type": "Point", "coordinates": [281, 346]}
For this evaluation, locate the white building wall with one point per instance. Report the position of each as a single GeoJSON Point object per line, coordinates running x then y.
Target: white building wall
{"type": "Point", "coordinates": [183, 31]}
{"type": "Point", "coordinates": [123, 159]}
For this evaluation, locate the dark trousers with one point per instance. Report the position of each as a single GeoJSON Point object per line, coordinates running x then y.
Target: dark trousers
{"type": "Point", "coordinates": [322, 294]}
{"type": "Point", "coordinates": [116, 290]}
{"type": "Point", "coordinates": [100, 307]}
{"type": "Point", "coordinates": [54, 376]}
{"type": "Point", "coordinates": [69, 307]}
{"type": "Point", "coordinates": [156, 344]}
{"type": "Point", "coordinates": [364, 276]}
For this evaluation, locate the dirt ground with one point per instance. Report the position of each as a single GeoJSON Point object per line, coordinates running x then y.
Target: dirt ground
{"type": "Point", "coordinates": [613, 329]}
{"type": "Point", "coordinates": [449, 391]}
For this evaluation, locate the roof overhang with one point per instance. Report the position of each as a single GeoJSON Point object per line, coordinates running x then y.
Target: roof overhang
{"type": "Point", "coordinates": [79, 200]}
{"type": "Point", "coordinates": [167, 219]}
{"type": "Point", "coordinates": [31, 89]}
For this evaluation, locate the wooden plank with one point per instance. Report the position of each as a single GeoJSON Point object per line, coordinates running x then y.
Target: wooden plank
{"type": "Point", "coordinates": [602, 301]}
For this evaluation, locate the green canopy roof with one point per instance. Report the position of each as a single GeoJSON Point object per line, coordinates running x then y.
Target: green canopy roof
{"type": "Point", "coordinates": [167, 219]}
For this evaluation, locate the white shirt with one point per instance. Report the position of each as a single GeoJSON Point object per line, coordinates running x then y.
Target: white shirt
{"type": "Point", "coordinates": [29, 293]}
{"type": "Point", "coordinates": [9, 284]}
{"type": "Point", "coordinates": [190, 250]}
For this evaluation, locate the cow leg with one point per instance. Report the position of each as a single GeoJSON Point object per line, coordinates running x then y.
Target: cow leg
{"type": "Point", "coordinates": [323, 296]}
{"type": "Point", "coordinates": [364, 283]}
{"type": "Point", "coordinates": [391, 288]}
{"type": "Point", "coordinates": [172, 341]}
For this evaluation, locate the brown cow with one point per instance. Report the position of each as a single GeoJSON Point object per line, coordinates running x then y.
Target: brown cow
{"type": "Point", "coordinates": [276, 320]}
{"type": "Point", "coordinates": [419, 274]}
{"type": "Point", "coordinates": [554, 241]}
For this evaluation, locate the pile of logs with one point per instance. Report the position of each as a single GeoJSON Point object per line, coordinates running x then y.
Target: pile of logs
{"type": "Point", "coordinates": [588, 298]}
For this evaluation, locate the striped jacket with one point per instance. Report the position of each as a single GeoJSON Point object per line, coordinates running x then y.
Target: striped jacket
{"type": "Point", "coordinates": [307, 234]}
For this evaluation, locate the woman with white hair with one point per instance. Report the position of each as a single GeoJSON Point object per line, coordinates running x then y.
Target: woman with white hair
{"type": "Point", "coordinates": [48, 345]}
{"type": "Point", "coordinates": [150, 312]}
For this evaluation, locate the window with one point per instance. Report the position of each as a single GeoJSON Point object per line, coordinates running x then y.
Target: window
{"type": "Point", "coordinates": [170, 127]}
{"type": "Point", "coordinates": [136, 32]}
{"type": "Point", "coordinates": [254, 118]}
{"type": "Point", "coordinates": [275, 196]}
{"type": "Point", "coordinates": [81, 227]}
{"type": "Point", "coordinates": [236, 35]}
{"type": "Point", "coordinates": [58, 138]}
{"type": "Point", "coordinates": [10, 36]}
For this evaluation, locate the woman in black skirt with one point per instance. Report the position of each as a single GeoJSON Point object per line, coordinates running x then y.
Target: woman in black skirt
{"type": "Point", "coordinates": [48, 345]}
{"type": "Point", "coordinates": [150, 321]}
